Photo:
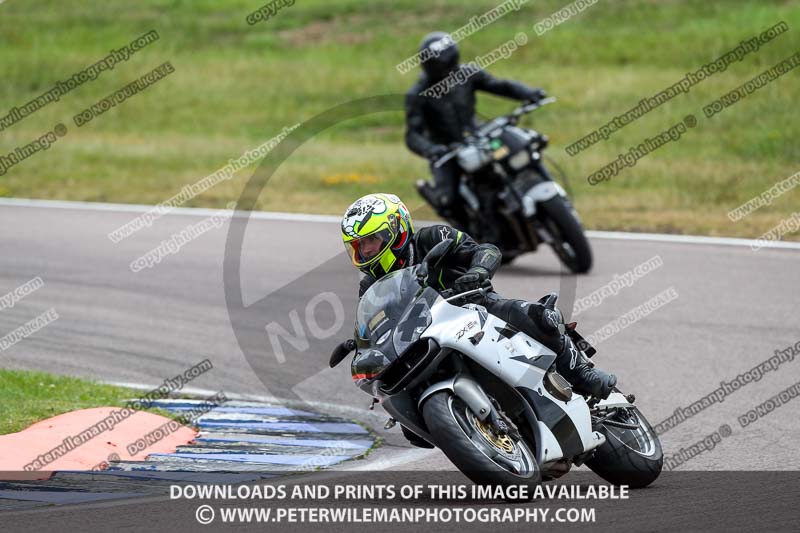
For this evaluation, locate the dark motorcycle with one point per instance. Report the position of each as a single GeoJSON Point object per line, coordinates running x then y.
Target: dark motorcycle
{"type": "Point", "coordinates": [509, 197]}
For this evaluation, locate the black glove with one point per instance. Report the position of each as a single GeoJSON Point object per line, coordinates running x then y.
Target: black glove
{"type": "Point", "coordinates": [436, 151]}
{"type": "Point", "coordinates": [536, 94]}
{"type": "Point", "coordinates": [472, 280]}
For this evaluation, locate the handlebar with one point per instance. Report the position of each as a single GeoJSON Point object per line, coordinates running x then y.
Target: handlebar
{"type": "Point", "coordinates": [447, 157]}
{"type": "Point", "coordinates": [511, 118]}
{"type": "Point", "coordinates": [450, 295]}
{"type": "Point", "coordinates": [527, 108]}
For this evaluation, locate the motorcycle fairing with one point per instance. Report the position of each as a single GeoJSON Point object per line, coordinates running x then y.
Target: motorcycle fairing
{"type": "Point", "coordinates": [521, 362]}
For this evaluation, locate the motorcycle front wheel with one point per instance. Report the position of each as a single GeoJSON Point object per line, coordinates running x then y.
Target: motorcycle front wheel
{"type": "Point", "coordinates": [569, 240]}
{"type": "Point", "coordinates": [472, 446]}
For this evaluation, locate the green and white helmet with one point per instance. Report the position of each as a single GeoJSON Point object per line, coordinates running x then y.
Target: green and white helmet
{"type": "Point", "coordinates": [377, 230]}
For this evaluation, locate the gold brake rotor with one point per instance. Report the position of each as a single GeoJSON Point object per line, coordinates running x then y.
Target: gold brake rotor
{"type": "Point", "coordinates": [502, 442]}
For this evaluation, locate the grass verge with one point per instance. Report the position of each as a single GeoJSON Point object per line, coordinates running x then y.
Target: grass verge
{"type": "Point", "coordinates": [237, 85]}
{"type": "Point", "coordinates": [28, 396]}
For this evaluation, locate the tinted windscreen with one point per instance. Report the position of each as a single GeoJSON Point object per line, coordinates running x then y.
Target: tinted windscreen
{"type": "Point", "coordinates": [384, 303]}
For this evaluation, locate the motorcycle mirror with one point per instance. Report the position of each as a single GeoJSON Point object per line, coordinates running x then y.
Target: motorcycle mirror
{"type": "Point", "coordinates": [341, 351]}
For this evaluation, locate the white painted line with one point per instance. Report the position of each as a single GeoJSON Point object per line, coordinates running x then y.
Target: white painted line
{"type": "Point", "coordinates": [689, 239]}
{"type": "Point", "coordinates": [331, 219]}
{"type": "Point", "coordinates": [140, 208]}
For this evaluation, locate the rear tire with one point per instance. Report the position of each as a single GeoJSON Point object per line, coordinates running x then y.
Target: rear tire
{"type": "Point", "coordinates": [452, 425]}
{"type": "Point", "coordinates": [571, 245]}
{"type": "Point", "coordinates": [632, 458]}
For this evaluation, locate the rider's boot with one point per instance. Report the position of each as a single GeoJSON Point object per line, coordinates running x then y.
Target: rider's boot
{"type": "Point", "coordinates": [571, 364]}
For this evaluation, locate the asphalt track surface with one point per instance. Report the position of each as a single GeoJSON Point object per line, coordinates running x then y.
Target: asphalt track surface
{"type": "Point", "coordinates": [735, 307]}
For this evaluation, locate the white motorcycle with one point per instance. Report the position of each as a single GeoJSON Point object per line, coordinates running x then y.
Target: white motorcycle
{"type": "Point", "coordinates": [485, 393]}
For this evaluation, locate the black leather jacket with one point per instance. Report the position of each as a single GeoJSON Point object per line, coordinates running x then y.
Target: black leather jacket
{"type": "Point", "coordinates": [467, 254]}
{"type": "Point", "coordinates": [444, 120]}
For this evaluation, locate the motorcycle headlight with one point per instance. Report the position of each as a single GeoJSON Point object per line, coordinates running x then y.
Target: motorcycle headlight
{"type": "Point", "coordinates": [519, 160]}
{"type": "Point", "coordinates": [471, 158]}
{"type": "Point", "coordinates": [412, 326]}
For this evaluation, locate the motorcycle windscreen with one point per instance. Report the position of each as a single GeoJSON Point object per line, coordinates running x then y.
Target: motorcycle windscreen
{"type": "Point", "coordinates": [387, 304]}
{"type": "Point", "coordinates": [378, 313]}
{"type": "Point", "coordinates": [383, 305]}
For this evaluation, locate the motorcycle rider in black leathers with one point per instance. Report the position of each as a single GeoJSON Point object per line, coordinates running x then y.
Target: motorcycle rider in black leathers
{"type": "Point", "coordinates": [435, 120]}
{"type": "Point", "coordinates": [379, 236]}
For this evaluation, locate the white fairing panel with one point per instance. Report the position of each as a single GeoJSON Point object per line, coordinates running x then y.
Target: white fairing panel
{"type": "Point", "coordinates": [615, 399]}
{"type": "Point", "coordinates": [454, 327]}
{"type": "Point", "coordinates": [519, 361]}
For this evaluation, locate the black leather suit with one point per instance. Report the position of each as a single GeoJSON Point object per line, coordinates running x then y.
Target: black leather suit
{"type": "Point", "coordinates": [468, 255]}
{"type": "Point", "coordinates": [432, 121]}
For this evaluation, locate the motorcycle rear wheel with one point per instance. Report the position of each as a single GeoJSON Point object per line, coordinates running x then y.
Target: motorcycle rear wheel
{"type": "Point", "coordinates": [630, 457]}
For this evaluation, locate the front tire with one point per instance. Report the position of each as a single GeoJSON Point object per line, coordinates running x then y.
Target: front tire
{"type": "Point", "coordinates": [630, 457]}
{"type": "Point", "coordinates": [570, 243]}
{"type": "Point", "coordinates": [473, 449]}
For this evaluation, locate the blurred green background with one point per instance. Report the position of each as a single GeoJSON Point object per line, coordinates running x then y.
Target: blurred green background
{"type": "Point", "coordinates": [238, 85]}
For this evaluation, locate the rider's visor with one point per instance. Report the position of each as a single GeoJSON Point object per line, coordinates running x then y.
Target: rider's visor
{"type": "Point", "coordinates": [365, 250]}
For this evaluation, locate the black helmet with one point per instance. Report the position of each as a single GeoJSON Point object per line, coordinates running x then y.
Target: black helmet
{"type": "Point", "coordinates": [438, 54]}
